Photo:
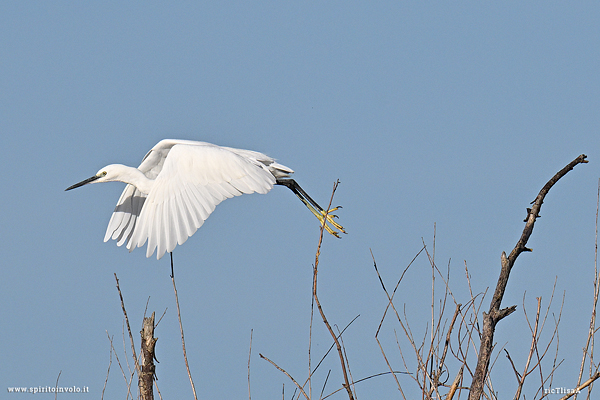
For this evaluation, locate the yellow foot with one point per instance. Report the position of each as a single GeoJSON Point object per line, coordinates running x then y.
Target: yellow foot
{"type": "Point", "coordinates": [331, 220]}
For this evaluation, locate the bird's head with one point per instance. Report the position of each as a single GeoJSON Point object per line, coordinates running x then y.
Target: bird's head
{"type": "Point", "coordinates": [109, 173]}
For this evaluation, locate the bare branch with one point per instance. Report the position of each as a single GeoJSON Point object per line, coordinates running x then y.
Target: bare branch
{"type": "Point", "coordinates": [390, 303]}
{"type": "Point", "coordinates": [455, 384]}
{"type": "Point", "coordinates": [582, 386]}
{"type": "Point", "coordinates": [494, 315]}
{"type": "Point", "coordinates": [534, 340]}
{"type": "Point", "coordinates": [114, 351]}
{"type": "Point", "coordinates": [288, 375]}
{"type": "Point", "coordinates": [108, 369]}
{"type": "Point", "coordinates": [588, 349]}
{"type": "Point", "coordinates": [137, 364]}
{"type": "Point", "coordinates": [181, 331]}
{"type": "Point", "coordinates": [318, 303]}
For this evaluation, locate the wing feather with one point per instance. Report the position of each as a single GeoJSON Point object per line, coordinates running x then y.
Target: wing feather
{"type": "Point", "coordinates": [198, 200]}
{"type": "Point", "coordinates": [194, 211]}
{"type": "Point", "coordinates": [190, 180]}
{"type": "Point", "coordinates": [126, 212]}
{"type": "Point", "coordinates": [183, 229]}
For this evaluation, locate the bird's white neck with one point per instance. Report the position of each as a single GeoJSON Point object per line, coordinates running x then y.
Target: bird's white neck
{"type": "Point", "coordinates": [132, 176]}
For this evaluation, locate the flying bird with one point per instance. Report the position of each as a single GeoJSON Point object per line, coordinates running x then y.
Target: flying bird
{"type": "Point", "coordinates": [178, 185]}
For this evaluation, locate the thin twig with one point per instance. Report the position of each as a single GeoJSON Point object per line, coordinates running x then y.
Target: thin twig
{"type": "Point", "coordinates": [447, 342]}
{"type": "Point", "coordinates": [310, 330]}
{"type": "Point", "coordinates": [158, 390]}
{"type": "Point", "coordinates": [391, 304]}
{"type": "Point", "coordinates": [137, 364]}
{"type": "Point", "coordinates": [534, 341]}
{"type": "Point", "coordinates": [288, 375]}
{"type": "Point", "coordinates": [161, 317]}
{"type": "Point", "coordinates": [181, 330]}
{"type": "Point", "coordinates": [108, 369]}
{"type": "Point", "coordinates": [120, 365]}
{"type": "Point", "coordinates": [315, 272]}
{"type": "Point", "coordinates": [331, 347]}
{"type": "Point", "coordinates": [590, 338]}
{"type": "Point", "coordinates": [326, 354]}
{"type": "Point", "coordinates": [346, 358]}
{"type": "Point", "coordinates": [130, 372]}
{"type": "Point", "coordinates": [582, 386]}
{"type": "Point", "coordinates": [431, 346]}
{"type": "Point", "coordinates": [364, 379]}
{"type": "Point", "coordinates": [56, 387]}
{"type": "Point", "coordinates": [325, 384]}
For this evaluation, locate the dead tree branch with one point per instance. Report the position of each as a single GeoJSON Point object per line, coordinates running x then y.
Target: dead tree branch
{"type": "Point", "coordinates": [495, 314]}
{"type": "Point", "coordinates": [146, 378]}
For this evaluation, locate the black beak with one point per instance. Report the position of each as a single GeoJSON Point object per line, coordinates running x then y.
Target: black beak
{"type": "Point", "coordinates": [85, 182]}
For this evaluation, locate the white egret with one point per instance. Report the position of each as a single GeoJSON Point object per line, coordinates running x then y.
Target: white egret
{"type": "Point", "coordinates": [178, 185]}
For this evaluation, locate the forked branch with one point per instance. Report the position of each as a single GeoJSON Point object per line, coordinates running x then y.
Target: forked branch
{"type": "Point", "coordinates": [495, 314]}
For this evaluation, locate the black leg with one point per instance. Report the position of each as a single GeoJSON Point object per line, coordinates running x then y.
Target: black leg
{"type": "Point", "coordinates": [172, 274]}
{"type": "Point", "coordinates": [317, 210]}
{"type": "Point", "coordinates": [298, 191]}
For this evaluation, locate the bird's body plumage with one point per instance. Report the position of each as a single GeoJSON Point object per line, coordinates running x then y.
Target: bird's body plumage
{"type": "Point", "coordinates": [178, 185]}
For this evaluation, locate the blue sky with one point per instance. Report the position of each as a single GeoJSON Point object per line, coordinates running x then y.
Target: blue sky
{"type": "Point", "coordinates": [428, 113]}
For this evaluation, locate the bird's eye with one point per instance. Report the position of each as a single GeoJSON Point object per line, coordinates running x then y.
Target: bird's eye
{"type": "Point", "coordinates": [103, 173]}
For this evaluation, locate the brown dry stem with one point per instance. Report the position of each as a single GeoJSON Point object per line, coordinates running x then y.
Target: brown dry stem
{"type": "Point", "coordinates": [187, 366]}
{"type": "Point", "coordinates": [343, 363]}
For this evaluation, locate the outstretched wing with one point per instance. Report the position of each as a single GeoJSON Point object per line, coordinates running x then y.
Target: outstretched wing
{"type": "Point", "coordinates": [124, 218]}
{"type": "Point", "coordinates": [194, 178]}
